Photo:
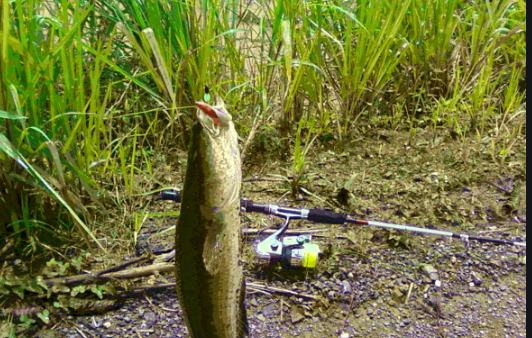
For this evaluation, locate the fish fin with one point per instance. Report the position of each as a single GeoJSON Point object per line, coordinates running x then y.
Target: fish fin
{"type": "Point", "coordinates": [215, 240]}
{"type": "Point", "coordinates": [213, 247]}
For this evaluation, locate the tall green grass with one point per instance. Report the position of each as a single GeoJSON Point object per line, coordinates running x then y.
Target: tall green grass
{"type": "Point", "coordinates": [92, 92]}
{"type": "Point", "coordinates": [51, 121]}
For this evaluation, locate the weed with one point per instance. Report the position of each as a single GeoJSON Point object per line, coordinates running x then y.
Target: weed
{"type": "Point", "coordinates": [89, 92]}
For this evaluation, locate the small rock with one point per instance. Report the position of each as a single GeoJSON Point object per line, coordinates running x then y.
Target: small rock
{"type": "Point", "coordinates": [150, 317]}
{"type": "Point", "coordinates": [476, 279]}
{"type": "Point", "coordinates": [497, 263]}
{"type": "Point", "coordinates": [319, 285]}
{"type": "Point", "coordinates": [268, 310]}
{"type": "Point", "coordinates": [296, 317]}
{"type": "Point", "coordinates": [396, 293]}
{"type": "Point", "coordinates": [404, 288]}
{"type": "Point", "coordinates": [345, 307]}
{"type": "Point", "coordinates": [346, 287]}
{"type": "Point", "coordinates": [434, 302]}
{"type": "Point", "coordinates": [430, 271]}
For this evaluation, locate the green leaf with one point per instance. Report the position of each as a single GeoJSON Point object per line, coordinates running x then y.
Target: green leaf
{"type": "Point", "coordinates": [97, 291]}
{"type": "Point", "coordinates": [26, 321]}
{"type": "Point", "coordinates": [11, 116]}
{"type": "Point", "coordinates": [77, 290]}
{"type": "Point", "coordinates": [44, 316]}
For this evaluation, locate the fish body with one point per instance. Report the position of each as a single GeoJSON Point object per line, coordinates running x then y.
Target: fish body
{"type": "Point", "coordinates": [209, 274]}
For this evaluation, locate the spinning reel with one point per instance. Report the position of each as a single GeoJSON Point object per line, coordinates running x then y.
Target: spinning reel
{"type": "Point", "coordinates": [295, 251]}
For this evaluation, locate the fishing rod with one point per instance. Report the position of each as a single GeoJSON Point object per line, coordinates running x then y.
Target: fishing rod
{"type": "Point", "coordinates": [306, 254]}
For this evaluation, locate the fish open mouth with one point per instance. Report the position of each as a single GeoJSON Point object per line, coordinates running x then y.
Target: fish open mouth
{"type": "Point", "coordinates": [219, 117]}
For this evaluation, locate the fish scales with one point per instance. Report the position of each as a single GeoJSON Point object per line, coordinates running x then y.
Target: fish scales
{"type": "Point", "coordinates": [209, 274]}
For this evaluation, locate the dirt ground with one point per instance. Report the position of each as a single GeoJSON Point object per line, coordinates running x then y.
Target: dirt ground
{"type": "Point", "coordinates": [369, 282]}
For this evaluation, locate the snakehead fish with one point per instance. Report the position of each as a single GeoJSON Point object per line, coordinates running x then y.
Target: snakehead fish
{"type": "Point", "coordinates": [210, 280]}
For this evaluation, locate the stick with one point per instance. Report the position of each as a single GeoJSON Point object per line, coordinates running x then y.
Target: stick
{"type": "Point", "coordinates": [262, 288]}
{"type": "Point", "coordinates": [126, 274]}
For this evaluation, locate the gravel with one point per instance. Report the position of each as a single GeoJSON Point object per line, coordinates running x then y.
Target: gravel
{"type": "Point", "coordinates": [482, 294]}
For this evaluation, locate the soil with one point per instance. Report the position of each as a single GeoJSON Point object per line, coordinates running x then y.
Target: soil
{"type": "Point", "coordinates": [369, 282]}
{"type": "Point", "coordinates": [482, 294]}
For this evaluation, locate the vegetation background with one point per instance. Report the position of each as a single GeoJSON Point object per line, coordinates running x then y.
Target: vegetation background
{"type": "Point", "coordinates": [96, 97]}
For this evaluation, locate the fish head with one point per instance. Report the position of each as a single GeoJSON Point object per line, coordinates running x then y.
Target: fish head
{"type": "Point", "coordinates": [213, 117]}
{"type": "Point", "coordinates": [220, 156]}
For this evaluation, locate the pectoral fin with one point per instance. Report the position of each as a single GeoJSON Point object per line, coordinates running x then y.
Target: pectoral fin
{"type": "Point", "coordinates": [214, 247]}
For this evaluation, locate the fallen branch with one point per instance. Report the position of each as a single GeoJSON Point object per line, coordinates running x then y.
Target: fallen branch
{"type": "Point", "coordinates": [158, 268]}
{"type": "Point", "coordinates": [126, 274]}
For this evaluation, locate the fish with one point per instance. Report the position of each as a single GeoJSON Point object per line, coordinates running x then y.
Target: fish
{"type": "Point", "coordinates": [210, 281]}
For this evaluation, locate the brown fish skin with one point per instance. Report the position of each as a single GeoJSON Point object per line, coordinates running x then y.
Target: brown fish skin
{"type": "Point", "coordinates": [210, 280]}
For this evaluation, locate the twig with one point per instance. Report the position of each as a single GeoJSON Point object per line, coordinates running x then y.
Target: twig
{"type": "Point", "coordinates": [257, 287]}
{"type": "Point", "coordinates": [144, 288]}
{"type": "Point", "coordinates": [264, 180]}
{"type": "Point", "coordinates": [123, 266]}
{"type": "Point", "coordinates": [166, 257]}
{"type": "Point", "coordinates": [157, 307]}
{"type": "Point", "coordinates": [409, 293]}
{"type": "Point", "coordinates": [126, 274]}
{"type": "Point", "coordinates": [263, 288]}
{"type": "Point", "coordinates": [79, 331]}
